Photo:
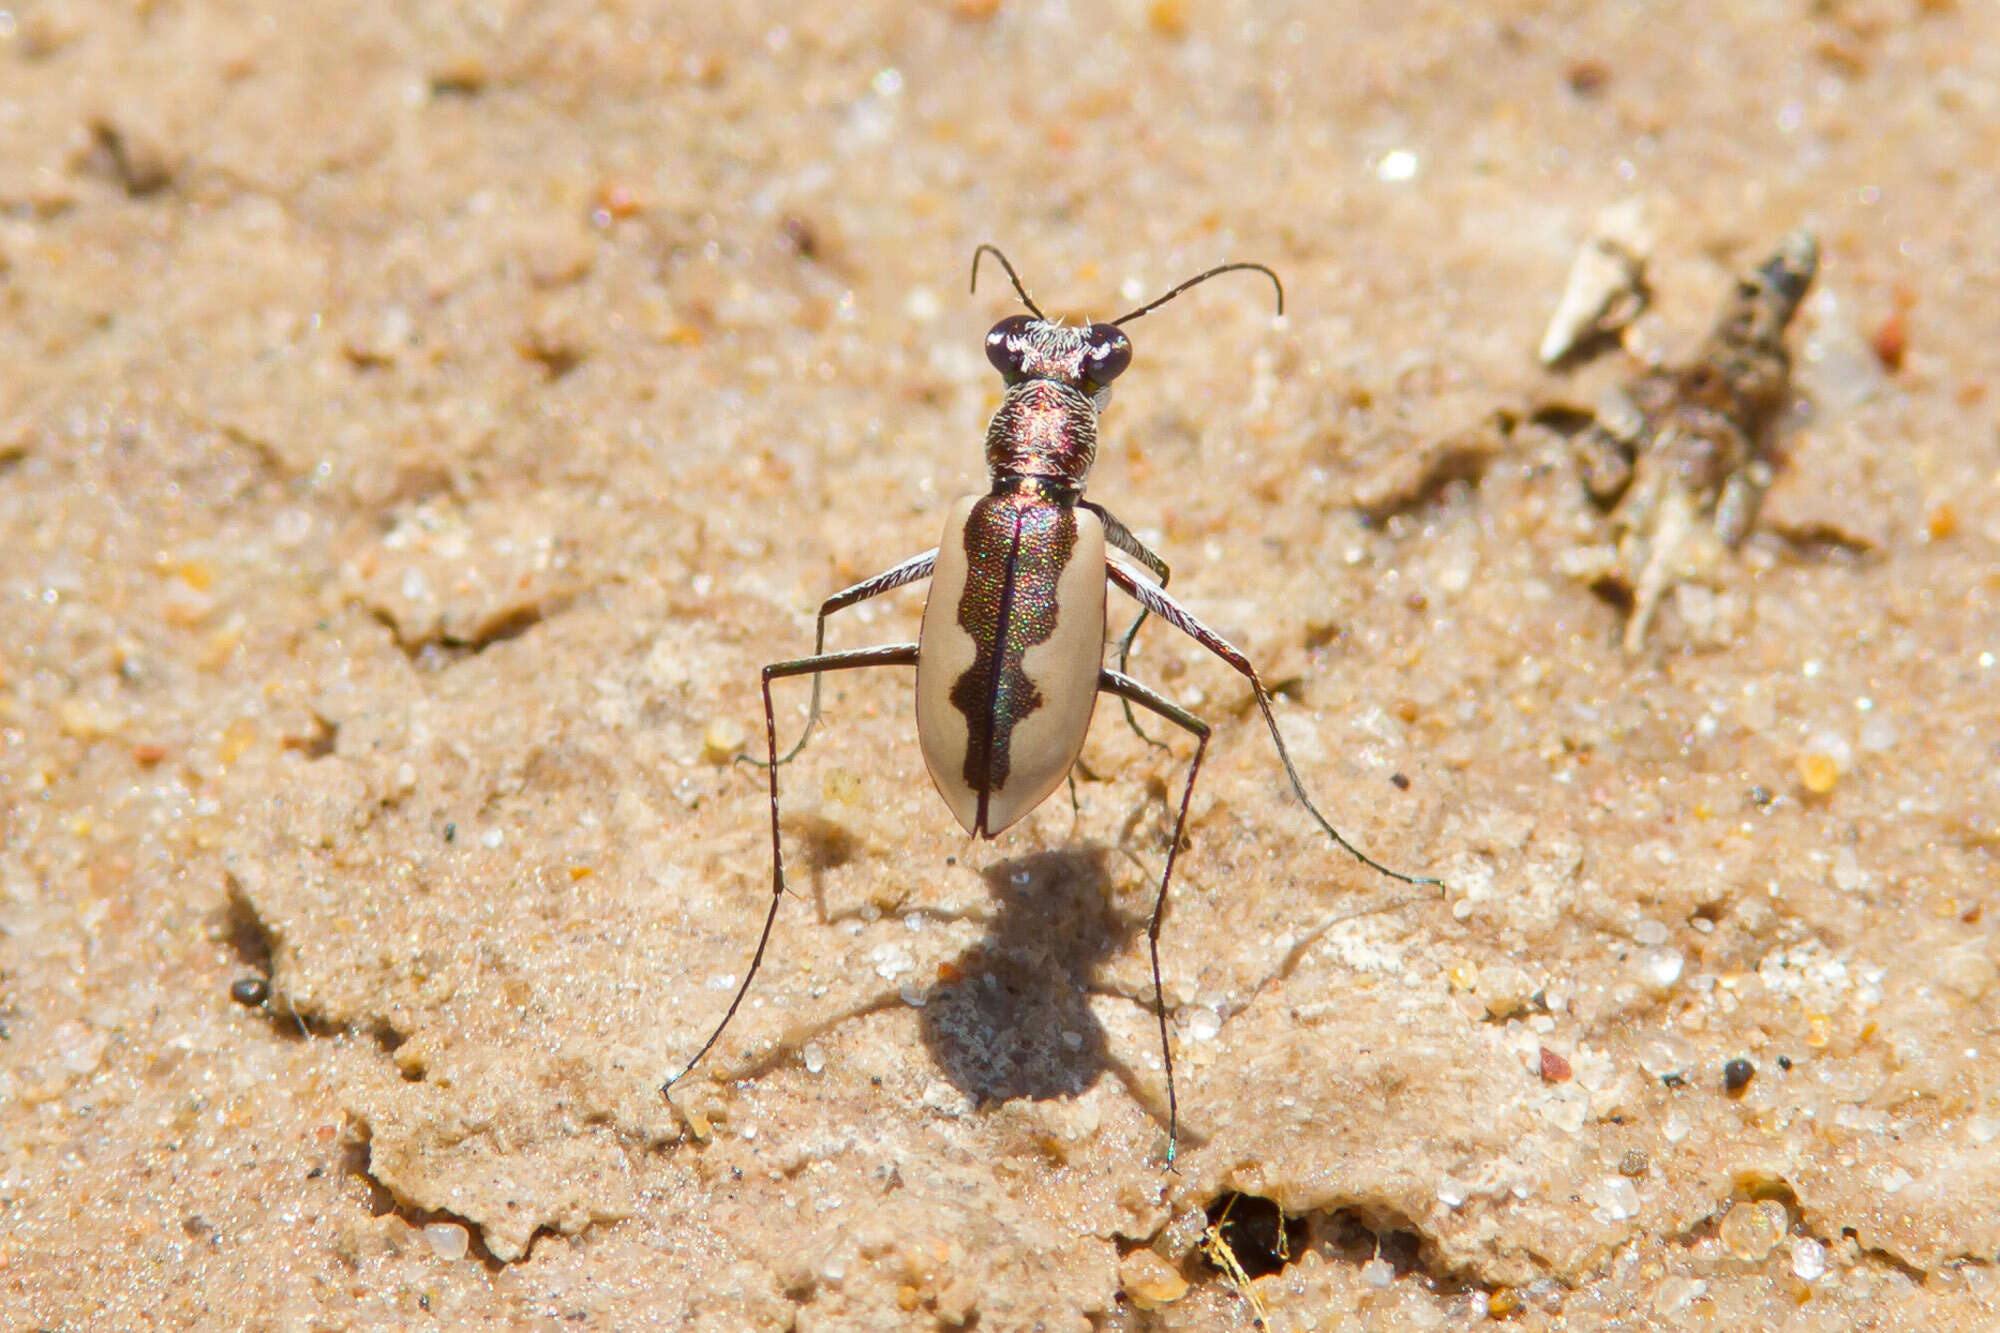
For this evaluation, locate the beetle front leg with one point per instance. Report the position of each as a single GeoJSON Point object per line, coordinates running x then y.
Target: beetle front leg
{"type": "Point", "coordinates": [1160, 604]}
{"type": "Point", "coordinates": [1132, 692]}
{"type": "Point", "coordinates": [916, 567]}
{"type": "Point", "coordinates": [899, 654]}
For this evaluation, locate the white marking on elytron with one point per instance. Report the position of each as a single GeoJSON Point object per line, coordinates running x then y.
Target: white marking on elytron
{"type": "Point", "coordinates": [944, 653]}
{"type": "Point", "coordinates": [1064, 668]}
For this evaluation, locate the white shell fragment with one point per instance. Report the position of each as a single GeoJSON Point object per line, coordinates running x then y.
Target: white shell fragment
{"type": "Point", "coordinates": [1606, 288]}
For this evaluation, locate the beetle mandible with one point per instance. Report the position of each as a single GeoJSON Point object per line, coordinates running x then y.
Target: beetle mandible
{"type": "Point", "coordinates": [1010, 656]}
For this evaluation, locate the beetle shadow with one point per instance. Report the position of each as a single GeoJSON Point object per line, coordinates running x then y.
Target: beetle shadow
{"type": "Point", "coordinates": [1015, 1022]}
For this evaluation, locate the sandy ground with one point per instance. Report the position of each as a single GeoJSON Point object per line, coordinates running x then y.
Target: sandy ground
{"type": "Point", "coordinates": [418, 423]}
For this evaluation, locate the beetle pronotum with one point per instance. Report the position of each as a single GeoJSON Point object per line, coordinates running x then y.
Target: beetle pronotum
{"type": "Point", "coordinates": [1010, 658]}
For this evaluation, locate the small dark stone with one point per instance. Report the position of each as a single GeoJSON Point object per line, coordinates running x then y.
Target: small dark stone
{"type": "Point", "coordinates": [1587, 77]}
{"type": "Point", "coordinates": [801, 237]}
{"type": "Point", "coordinates": [451, 833]}
{"type": "Point", "coordinates": [250, 991]}
{"type": "Point", "coordinates": [1785, 1063]}
{"type": "Point", "coordinates": [1736, 1075]}
{"type": "Point", "coordinates": [1402, 783]}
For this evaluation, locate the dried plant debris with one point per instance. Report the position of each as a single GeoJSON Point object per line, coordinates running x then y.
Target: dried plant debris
{"type": "Point", "coordinates": [1606, 287]}
{"type": "Point", "coordinates": [1216, 1245]}
{"type": "Point", "coordinates": [1681, 456]}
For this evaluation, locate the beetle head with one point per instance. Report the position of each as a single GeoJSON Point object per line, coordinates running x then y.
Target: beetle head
{"type": "Point", "coordinates": [1026, 347]}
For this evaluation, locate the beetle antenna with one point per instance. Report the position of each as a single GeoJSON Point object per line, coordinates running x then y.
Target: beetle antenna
{"type": "Point", "coordinates": [1014, 277]}
{"type": "Point", "coordinates": [1196, 281]}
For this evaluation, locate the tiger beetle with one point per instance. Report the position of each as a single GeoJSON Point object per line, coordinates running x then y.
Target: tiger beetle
{"type": "Point", "coordinates": [1010, 656]}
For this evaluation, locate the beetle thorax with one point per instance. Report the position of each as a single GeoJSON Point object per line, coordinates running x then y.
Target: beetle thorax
{"type": "Point", "coordinates": [1043, 429]}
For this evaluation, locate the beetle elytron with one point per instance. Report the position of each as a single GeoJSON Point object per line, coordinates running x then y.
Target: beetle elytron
{"type": "Point", "coordinates": [1010, 658]}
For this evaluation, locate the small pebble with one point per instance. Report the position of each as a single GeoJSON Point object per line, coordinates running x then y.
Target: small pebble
{"type": "Point", "coordinates": [1618, 1198]}
{"type": "Point", "coordinates": [80, 1048]}
{"type": "Point", "coordinates": [1736, 1075]}
{"type": "Point", "coordinates": [1847, 873]}
{"type": "Point", "coordinates": [1825, 757]}
{"type": "Point", "coordinates": [1568, 1109]}
{"type": "Point", "coordinates": [1149, 1281]}
{"type": "Point", "coordinates": [292, 527]}
{"type": "Point", "coordinates": [1505, 990]}
{"type": "Point", "coordinates": [1660, 1057]}
{"type": "Point", "coordinates": [814, 1057]}
{"type": "Point", "coordinates": [1676, 1294]}
{"type": "Point", "coordinates": [1661, 967]}
{"type": "Point", "coordinates": [1554, 1069]}
{"type": "Point", "coordinates": [1808, 1259]}
{"type": "Point", "coordinates": [249, 991]}
{"type": "Point", "coordinates": [1396, 166]}
{"type": "Point", "coordinates": [1818, 772]}
{"type": "Point", "coordinates": [448, 1240]}
{"type": "Point", "coordinates": [1378, 1273]}
{"type": "Point", "coordinates": [1750, 1231]}
{"type": "Point", "coordinates": [892, 962]}
{"type": "Point", "coordinates": [1878, 733]}
{"type": "Point", "coordinates": [1891, 339]}
{"type": "Point", "coordinates": [722, 741]}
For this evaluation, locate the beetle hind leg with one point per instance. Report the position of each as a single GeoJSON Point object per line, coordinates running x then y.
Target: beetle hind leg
{"type": "Point", "coordinates": [1132, 692]}
{"type": "Point", "coordinates": [899, 654]}
{"type": "Point", "coordinates": [1157, 601]}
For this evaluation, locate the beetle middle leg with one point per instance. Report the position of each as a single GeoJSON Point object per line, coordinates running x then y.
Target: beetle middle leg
{"type": "Point", "coordinates": [1132, 692]}
{"type": "Point", "coordinates": [910, 571]}
{"type": "Point", "coordinates": [896, 654]}
{"type": "Point", "coordinates": [1120, 538]}
{"type": "Point", "coordinates": [1156, 600]}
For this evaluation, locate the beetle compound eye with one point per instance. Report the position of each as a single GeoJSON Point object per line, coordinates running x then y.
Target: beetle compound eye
{"type": "Point", "coordinates": [1106, 353]}
{"type": "Point", "coordinates": [1000, 344]}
